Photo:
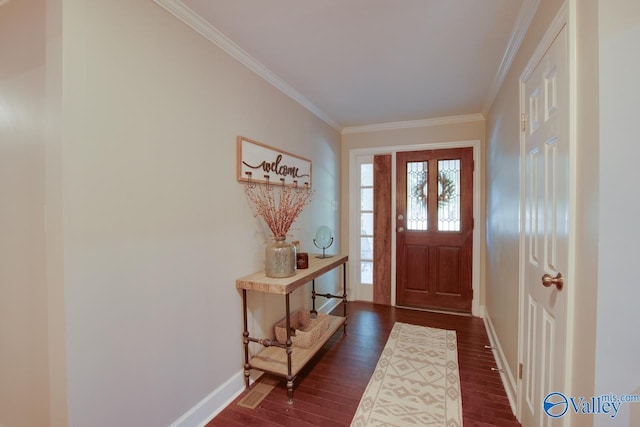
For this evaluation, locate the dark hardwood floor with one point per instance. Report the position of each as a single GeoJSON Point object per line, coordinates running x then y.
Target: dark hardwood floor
{"type": "Point", "coordinates": [327, 391]}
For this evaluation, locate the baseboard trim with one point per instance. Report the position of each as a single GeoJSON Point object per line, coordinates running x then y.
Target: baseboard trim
{"type": "Point", "coordinates": [509, 383]}
{"type": "Point", "coordinates": [213, 404]}
{"type": "Point", "coordinates": [328, 306]}
{"type": "Point", "coordinates": [220, 398]}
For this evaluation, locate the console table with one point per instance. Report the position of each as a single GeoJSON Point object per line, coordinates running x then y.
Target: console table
{"type": "Point", "coordinates": [284, 359]}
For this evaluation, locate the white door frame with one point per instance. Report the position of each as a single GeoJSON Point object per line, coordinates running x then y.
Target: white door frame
{"type": "Point", "coordinates": [564, 17]}
{"type": "Point", "coordinates": [354, 219]}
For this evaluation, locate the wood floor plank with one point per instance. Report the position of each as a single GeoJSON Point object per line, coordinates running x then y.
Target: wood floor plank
{"type": "Point", "coordinates": [327, 391]}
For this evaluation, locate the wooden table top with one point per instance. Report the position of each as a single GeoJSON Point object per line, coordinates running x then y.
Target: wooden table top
{"type": "Point", "coordinates": [317, 266]}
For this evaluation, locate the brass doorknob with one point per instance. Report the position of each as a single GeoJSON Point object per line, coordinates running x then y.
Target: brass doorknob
{"type": "Point", "coordinates": [400, 229]}
{"type": "Point", "coordinates": [558, 281]}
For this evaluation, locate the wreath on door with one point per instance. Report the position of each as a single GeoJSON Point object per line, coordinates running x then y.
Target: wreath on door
{"type": "Point", "coordinates": [446, 187]}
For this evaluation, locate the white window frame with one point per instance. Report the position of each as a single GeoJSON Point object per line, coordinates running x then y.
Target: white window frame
{"type": "Point", "coordinates": [361, 291]}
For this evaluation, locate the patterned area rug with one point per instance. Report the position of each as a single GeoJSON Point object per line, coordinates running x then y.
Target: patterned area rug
{"type": "Point", "coordinates": [416, 381]}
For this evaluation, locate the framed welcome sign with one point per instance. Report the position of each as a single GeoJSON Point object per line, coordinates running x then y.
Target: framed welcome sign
{"type": "Point", "coordinates": [261, 163]}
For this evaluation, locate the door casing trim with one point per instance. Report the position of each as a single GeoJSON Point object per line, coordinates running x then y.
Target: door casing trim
{"type": "Point", "coordinates": [476, 308]}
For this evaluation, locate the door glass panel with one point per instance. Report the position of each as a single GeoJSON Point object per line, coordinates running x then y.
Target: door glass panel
{"type": "Point", "coordinates": [417, 195]}
{"type": "Point", "coordinates": [449, 195]}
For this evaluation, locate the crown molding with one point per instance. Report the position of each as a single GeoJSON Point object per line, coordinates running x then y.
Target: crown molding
{"type": "Point", "coordinates": [525, 16]}
{"type": "Point", "coordinates": [197, 23]}
{"type": "Point", "coordinates": [449, 120]}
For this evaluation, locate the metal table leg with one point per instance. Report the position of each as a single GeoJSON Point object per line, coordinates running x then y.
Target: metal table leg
{"type": "Point", "coordinates": [289, 350]}
{"type": "Point", "coordinates": [245, 340]}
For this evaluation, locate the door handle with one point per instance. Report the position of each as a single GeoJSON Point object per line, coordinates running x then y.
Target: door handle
{"type": "Point", "coordinates": [400, 229]}
{"type": "Point", "coordinates": [547, 281]}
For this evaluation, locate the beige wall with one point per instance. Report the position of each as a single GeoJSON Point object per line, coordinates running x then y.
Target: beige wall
{"type": "Point", "coordinates": [53, 200]}
{"type": "Point", "coordinates": [24, 371]}
{"type": "Point", "coordinates": [617, 343]}
{"type": "Point", "coordinates": [466, 131]}
{"type": "Point", "coordinates": [156, 229]}
{"type": "Point", "coordinates": [123, 122]}
{"type": "Point", "coordinates": [503, 194]}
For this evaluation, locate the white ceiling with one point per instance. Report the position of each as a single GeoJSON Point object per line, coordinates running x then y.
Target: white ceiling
{"type": "Point", "coordinates": [357, 63]}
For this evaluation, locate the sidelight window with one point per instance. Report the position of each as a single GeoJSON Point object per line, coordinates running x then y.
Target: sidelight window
{"type": "Point", "coordinates": [366, 223]}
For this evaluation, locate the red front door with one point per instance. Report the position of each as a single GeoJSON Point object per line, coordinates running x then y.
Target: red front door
{"type": "Point", "coordinates": [434, 229]}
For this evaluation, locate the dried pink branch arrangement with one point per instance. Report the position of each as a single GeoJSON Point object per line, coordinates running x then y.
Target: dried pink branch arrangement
{"type": "Point", "coordinates": [278, 205]}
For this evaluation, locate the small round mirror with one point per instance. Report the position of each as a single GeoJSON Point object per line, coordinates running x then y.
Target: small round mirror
{"type": "Point", "coordinates": [323, 240]}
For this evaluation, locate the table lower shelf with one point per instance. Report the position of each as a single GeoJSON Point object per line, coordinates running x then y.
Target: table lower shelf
{"type": "Point", "coordinates": [274, 359]}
